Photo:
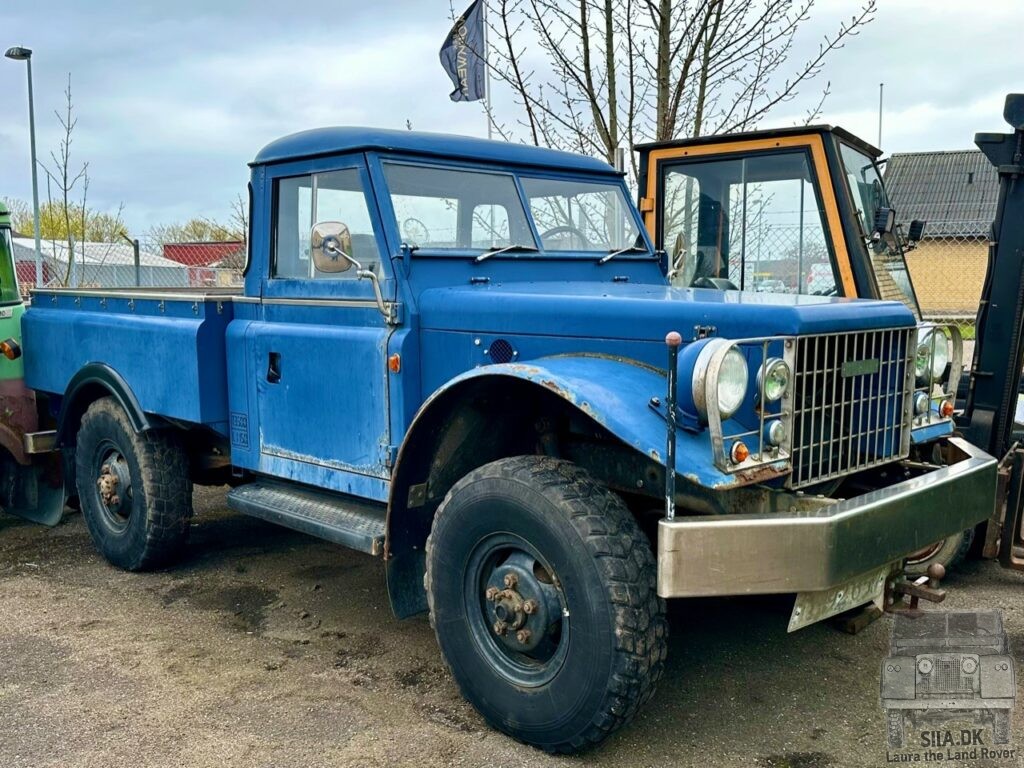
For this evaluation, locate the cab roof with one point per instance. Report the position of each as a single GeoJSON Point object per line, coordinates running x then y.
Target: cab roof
{"type": "Point", "coordinates": [329, 141]}
{"type": "Point", "coordinates": [771, 133]}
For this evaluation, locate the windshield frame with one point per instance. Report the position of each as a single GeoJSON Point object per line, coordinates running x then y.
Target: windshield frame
{"type": "Point", "coordinates": [833, 236]}
{"type": "Point", "coordinates": [380, 160]}
{"type": "Point", "coordinates": [866, 221]}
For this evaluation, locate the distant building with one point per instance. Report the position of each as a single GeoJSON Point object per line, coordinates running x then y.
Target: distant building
{"type": "Point", "coordinates": [955, 192]}
{"type": "Point", "coordinates": [96, 265]}
{"type": "Point", "coordinates": [210, 264]}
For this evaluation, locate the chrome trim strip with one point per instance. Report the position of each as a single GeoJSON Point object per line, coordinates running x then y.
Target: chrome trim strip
{"type": "Point", "coordinates": [371, 303]}
{"type": "Point", "coordinates": [805, 551]}
{"type": "Point", "coordinates": [135, 293]}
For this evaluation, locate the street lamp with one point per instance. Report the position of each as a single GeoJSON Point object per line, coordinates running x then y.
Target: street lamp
{"type": "Point", "coordinates": [18, 53]}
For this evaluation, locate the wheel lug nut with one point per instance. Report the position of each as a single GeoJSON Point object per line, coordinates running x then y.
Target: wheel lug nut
{"type": "Point", "coordinates": [115, 500]}
{"type": "Point", "coordinates": [492, 594]}
{"type": "Point", "coordinates": [530, 606]}
{"type": "Point", "coordinates": [523, 636]}
{"type": "Point", "coordinates": [511, 580]}
{"type": "Point", "coordinates": [500, 627]}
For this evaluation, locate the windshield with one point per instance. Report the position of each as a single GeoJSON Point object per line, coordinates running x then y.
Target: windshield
{"type": "Point", "coordinates": [886, 256]}
{"type": "Point", "coordinates": [456, 209]}
{"type": "Point", "coordinates": [582, 216]}
{"type": "Point", "coordinates": [755, 221]}
{"type": "Point", "coordinates": [8, 280]}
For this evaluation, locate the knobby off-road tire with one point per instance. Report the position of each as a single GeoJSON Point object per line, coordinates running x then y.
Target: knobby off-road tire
{"type": "Point", "coordinates": [537, 529]}
{"type": "Point", "coordinates": [948, 552]}
{"type": "Point", "coordinates": [139, 519]}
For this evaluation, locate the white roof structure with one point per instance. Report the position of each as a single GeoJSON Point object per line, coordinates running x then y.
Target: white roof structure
{"type": "Point", "coordinates": [90, 254]}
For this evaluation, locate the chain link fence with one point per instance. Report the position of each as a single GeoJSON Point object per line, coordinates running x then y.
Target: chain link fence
{"type": "Point", "coordinates": [129, 264]}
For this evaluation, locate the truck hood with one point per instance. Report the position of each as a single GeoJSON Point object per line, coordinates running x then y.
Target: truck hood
{"type": "Point", "coordinates": [645, 312]}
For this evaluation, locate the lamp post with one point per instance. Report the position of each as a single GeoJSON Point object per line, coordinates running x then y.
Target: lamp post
{"type": "Point", "coordinates": [18, 53]}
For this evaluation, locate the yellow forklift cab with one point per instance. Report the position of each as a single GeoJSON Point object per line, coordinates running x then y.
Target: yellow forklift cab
{"type": "Point", "coordinates": [792, 210]}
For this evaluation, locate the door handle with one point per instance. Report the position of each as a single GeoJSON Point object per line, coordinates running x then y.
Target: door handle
{"type": "Point", "coordinates": [274, 367]}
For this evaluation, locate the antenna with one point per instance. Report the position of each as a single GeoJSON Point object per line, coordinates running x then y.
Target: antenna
{"type": "Point", "coordinates": [881, 91]}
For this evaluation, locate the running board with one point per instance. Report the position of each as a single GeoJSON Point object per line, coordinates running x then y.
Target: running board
{"type": "Point", "coordinates": [354, 524]}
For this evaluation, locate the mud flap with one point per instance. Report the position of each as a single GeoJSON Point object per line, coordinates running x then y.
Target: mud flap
{"type": "Point", "coordinates": [812, 607]}
{"type": "Point", "coordinates": [34, 492]}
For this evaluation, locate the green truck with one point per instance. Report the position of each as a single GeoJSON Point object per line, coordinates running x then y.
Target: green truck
{"type": "Point", "coordinates": [31, 484]}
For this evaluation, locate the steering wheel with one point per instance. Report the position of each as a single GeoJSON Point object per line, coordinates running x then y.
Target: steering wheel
{"type": "Point", "coordinates": [411, 223]}
{"type": "Point", "coordinates": [567, 229]}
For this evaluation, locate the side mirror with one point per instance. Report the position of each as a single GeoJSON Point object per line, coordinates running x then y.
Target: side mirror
{"type": "Point", "coordinates": [885, 221]}
{"type": "Point", "coordinates": [330, 242]}
{"type": "Point", "coordinates": [916, 230]}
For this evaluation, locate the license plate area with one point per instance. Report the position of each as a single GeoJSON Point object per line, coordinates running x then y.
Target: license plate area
{"type": "Point", "coordinates": [812, 607]}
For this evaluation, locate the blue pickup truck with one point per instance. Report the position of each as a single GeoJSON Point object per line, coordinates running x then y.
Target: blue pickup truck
{"type": "Point", "coordinates": [465, 357]}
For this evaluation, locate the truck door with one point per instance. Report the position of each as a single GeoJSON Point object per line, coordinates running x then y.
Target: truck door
{"type": "Point", "coordinates": [319, 350]}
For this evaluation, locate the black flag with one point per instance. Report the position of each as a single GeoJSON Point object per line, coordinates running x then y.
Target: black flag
{"type": "Point", "coordinates": [462, 55]}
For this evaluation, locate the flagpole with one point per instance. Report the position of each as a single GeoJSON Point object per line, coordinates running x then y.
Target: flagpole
{"type": "Point", "coordinates": [487, 70]}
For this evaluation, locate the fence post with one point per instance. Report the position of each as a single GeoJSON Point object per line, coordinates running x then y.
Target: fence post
{"type": "Point", "coordinates": [138, 268]}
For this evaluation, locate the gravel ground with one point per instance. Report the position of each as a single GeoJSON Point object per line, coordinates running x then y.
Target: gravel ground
{"type": "Point", "coordinates": [269, 648]}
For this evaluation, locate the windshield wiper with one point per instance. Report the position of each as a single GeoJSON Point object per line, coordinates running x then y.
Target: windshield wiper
{"type": "Point", "coordinates": [507, 249]}
{"type": "Point", "coordinates": [628, 249]}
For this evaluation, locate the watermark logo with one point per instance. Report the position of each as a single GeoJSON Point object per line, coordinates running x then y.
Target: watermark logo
{"type": "Point", "coordinates": [948, 688]}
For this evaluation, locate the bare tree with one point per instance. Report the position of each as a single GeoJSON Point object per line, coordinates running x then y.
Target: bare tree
{"type": "Point", "coordinates": [63, 217]}
{"type": "Point", "coordinates": [592, 75]}
{"type": "Point", "coordinates": [62, 176]}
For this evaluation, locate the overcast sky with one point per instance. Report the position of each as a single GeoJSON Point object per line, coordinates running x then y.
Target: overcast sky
{"type": "Point", "coordinates": [174, 98]}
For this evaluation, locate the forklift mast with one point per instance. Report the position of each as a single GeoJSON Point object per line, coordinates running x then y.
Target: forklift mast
{"type": "Point", "coordinates": [988, 418]}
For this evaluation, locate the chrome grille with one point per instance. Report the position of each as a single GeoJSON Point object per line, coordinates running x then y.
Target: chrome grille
{"type": "Point", "coordinates": [851, 402]}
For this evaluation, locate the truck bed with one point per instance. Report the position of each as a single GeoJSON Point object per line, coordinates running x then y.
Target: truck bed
{"type": "Point", "coordinates": [139, 334]}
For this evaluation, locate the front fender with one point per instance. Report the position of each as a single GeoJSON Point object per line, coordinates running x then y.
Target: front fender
{"type": "Point", "coordinates": [614, 392]}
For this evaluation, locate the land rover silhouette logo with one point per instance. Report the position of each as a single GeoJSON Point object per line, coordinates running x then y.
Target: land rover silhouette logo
{"type": "Point", "coordinates": [948, 688]}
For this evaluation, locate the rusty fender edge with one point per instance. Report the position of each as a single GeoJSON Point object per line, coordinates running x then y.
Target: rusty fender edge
{"type": "Point", "coordinates": [823, 548]}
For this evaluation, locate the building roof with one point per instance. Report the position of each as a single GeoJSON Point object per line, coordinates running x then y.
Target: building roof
{"type": "Point", "coordinates": [202, 254]}
{"type": "Point", "coordinates": [89, 254]}
{"type": "Point", "coordinates": [955, 191]}
{"type": "Point", "coordinates": [329, 141]}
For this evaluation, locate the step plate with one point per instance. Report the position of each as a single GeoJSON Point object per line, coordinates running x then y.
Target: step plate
{"type": "Point", "coordinates": [354, 524]}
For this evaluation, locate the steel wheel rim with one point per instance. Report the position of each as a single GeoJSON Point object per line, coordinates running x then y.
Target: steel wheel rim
{"type": "Point", "coordinates": [112, 485]}
{"type": "Point", "coordinates": [489, 597]}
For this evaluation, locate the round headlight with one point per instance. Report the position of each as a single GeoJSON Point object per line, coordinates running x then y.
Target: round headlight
{"type": "Point", "coordinates": [733, 377]}
{"type": "Point", "coordinates": [924, 666]}
{"type": "Point", "coordinates": [969, 665]}
{"type": "Point", "coordinates": [932, 355]}
{"type": "Point", "coordinates": [773, 379]}
{"type": "Point", "coordinates": [732, 383]}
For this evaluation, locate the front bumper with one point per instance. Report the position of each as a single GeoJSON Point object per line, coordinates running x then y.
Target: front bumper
{"type": "Point", "coordinates": [826, 547]}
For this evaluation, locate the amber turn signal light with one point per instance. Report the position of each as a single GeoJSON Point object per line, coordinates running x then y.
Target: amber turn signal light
{"type": "Point", "coordinates": [945, 409]}
{"type": "Point", "coordinates": [11, 349]}
{"type": "Point", "coordinates": [739, 452]}
{"type": "Point", "coordinates": [395, 363]}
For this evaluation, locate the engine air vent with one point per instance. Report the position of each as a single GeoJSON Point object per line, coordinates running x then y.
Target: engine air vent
{"type": "Point", "coordinates": [501, 351]}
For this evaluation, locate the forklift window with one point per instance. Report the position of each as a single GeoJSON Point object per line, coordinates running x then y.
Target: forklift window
{"type": "Point", "coordinates": [886, 257]}
{"type": "Point", "coordinates": [754, 220]}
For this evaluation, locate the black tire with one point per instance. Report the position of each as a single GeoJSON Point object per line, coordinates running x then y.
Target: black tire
{"type": "Point", "coordinates": [590, 558]}
{"type": "Point", "coordinates": [947, 553]}
{"type": "Point", "coordinates": [148, 527]}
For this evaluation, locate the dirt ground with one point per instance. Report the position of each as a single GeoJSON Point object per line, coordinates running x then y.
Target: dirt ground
{"type": "Point", "coordinates": [270, 648]}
